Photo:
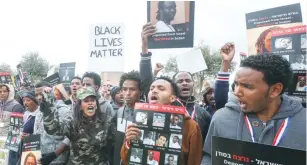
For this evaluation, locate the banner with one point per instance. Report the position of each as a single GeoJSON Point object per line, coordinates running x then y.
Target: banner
{"type": "Point", "coordinates": [160, 134]}
{"type": "Point", "coordinates": [228, 151]}
{"type": "Point", "coordinates": [174, 21]}
{"type": "Point", "coordinates": [5, 78]}
{"type": "Point", "coordinates": [15, 128]}
{"type": "Point", "coordinates": [53, 79]}
{"type": "Point", "coordinates": [291, 44]}
{"type": "Point", "coordinates": [260, 25]}
{"type": "Point", "coordinates": [31, 152]}
{"type": "Point", "coordinates": [106, 48]}
{"type": "Point", "coordinates": [67, 72]}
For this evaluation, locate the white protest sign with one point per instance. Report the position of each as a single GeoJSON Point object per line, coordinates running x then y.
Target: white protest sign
{"type": "Point", "coordinates": [106, 48]}
{"type": "Point", "coordinates": [192, 61]}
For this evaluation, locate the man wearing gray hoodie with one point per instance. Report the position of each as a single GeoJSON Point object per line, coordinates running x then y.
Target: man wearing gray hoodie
{"type": "Point", "coordinates": [261, 109]}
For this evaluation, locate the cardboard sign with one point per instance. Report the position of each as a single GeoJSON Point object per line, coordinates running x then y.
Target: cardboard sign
{"type": "Point", "coordinates": [260, 25]}
{"type": "Point", "coordinates": [160, 134]}
{"type": "Point", "coordinates": [192, 61]}
{"type": "Point", "coordinates": [106, 48]}
{"type": "Point", "coordinates": [175, 29]}
{"type": "Point", "coordinates": [228, 151]}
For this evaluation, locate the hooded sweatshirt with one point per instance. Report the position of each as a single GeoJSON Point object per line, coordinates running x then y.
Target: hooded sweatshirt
{"type": "Point", "coordinates": [6, 108]}
{"type": "Point", "coordinates": [191, 144]}
{"type": "Point", "coordinates": [229, 123]}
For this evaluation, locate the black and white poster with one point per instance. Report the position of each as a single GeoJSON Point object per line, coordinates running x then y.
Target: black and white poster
{"type": "Point", "coordinates": [5, 78]}
{"type": "Point", "coordinates": [31, 152]}
{"type": "Point", "coordinates": [160, 135]}
{"type": "Point", "coordinates": [228, 151]}
{"type": "Point", "coordinates": [53, 79]}
{"type": "Point", "coordinates": [15, 130]}
{"type": "Point", "coordinates": [67, 72]}
{"type": "Point", "coordinates": [290, 43]}
{"type": "Point", "coordinates": [174, 21]}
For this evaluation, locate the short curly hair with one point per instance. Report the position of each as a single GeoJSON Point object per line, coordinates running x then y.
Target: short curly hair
{"type": "Point", "coordinates": [132, 75]}
{"type": "Point", "coordinates": [94, 76]}
{"type": "Point", "coordinates": [274, 68]}
{"type": "Point", "coordinates": [174, 86]}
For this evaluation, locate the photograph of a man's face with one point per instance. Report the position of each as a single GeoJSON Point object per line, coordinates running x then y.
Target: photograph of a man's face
{"type": "Point", "coordinates": [170, 16]}
{"type": "Point", "coordinates": [170, 159]}
{"type": "Point", "coordinates": [161, 140]}
{"type": "Point", "coordinates": [283, 43]}
{"type": "Point", "coordinates": [303, 41]}
{"type": "Point", "coordinates": [158, 120]}
{"type": "Point", "coordinates": [141, 118]}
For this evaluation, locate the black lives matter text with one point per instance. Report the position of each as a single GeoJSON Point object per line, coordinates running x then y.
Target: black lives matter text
{"type": "Point", "coordinates": [106, 45]}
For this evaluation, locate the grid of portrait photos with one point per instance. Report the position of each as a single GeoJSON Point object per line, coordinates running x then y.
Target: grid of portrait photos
{"type": "Point", "coordinates": [15, 130]}
{"type": "Point", "coordinates": [159, 139]}
{"type": "Point", "coordinates": [290, 43]}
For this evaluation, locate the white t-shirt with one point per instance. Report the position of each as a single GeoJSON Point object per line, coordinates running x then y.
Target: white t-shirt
{"type": "Point", "coordinates": [152, 162]}
{"type": "Point", "coordinates": [137, 159]}
{"type": "Point", "coordinates": [174, 145]}
{"type": "Point", "coordinates": [301, 88]}
{"type": "Point", "coordinates": [163, 27]}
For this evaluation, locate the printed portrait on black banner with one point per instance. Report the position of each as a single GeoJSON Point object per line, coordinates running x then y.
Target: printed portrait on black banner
{"type": "Point", "coordinates": [141, 118]}
{"type": "Point", "coordinates": [301, 84]}
{"type": "Point", "coordinates": [139, 139]}
{"type": "Point", "coordinates": [283, 43]}
{"type": "Point", "coordinates": [170, 159]}
{"type": "Point", "coordinates": [174, 20]}
{"type": "Point", "coordinates": [175, 141]}
{"type": "Point", "coordinates": [261, 24]}
{"type": "Point", "coordinates": [162, 139]}
{"type": "Point", "coordinates": [175, 121]}
{"type": "Point", "coordinates": [298, 62]}
{"type": "Point", "coordinates": [153, 157]}
{"type": "Point", "coordinates": [149, 137]}
{"type": "Point", "coordinates": [158, 120]}
{"type": "Point", "coordinates": [303, 41]}
{"type": "Point", "coordinates": [136, 155]}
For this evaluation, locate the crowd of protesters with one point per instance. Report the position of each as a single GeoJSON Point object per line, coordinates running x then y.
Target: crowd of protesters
{"type": "Point", "coordinates": [95, 126]}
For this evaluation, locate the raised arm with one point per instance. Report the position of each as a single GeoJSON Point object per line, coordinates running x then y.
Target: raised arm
{"type": "Point", "coordinates": [51, 117]}
{"type": "Point", "coordinates": [222, 84]}
{"type": "Point", "coordinates": [145, 63]}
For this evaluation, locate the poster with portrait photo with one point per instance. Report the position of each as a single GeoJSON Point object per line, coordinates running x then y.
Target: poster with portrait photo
{"type": "Point", "coordinates": [54, 79]}
{"type": "Point", "coordinates": [260, 25]}
{"type": "Point", "coordinates": [296, 57]}
{"type": "Point", "coordinates": [136, 155]}
{"type": "Point", "coordinates": [13, 136]}
{"type": "Point", "coordinates": [31, 149]}
{"type": "Point", "coordinates": [67, 72]}
{"type": "Point", "coordinates": [158, 137]}
{"type": "Point", "coordinates": [174, 22]}
{"type": "Point", "coordinates": [171, 159]}
{"type": "Point", "coordinates": [141, 118]}
{"type": "Point", "coordinates": [158, 120]}
{"type": "Point", "coordinates": [153, 157]}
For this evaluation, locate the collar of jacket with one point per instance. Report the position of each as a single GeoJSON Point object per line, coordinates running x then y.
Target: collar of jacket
{"type": "Point", "coordinates": [190, 100]}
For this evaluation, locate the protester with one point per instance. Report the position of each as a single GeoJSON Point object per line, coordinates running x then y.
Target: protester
{"type": "Point", "coordinates": [93, 79]}
{"type": "Point", "coordinates": [259, 86]}
{"type": "Point", "coordinates": [106, 90]}
{"type": "Point", "coordinates": [75, 84]}
{"type": "Point", "coordinates": [135, 87]}
{"type": "Point", "coordinates": [89, 130]}
{"type": "Point", "coordinates": [54, 148]}
{"type": "Point", "coordinates": [8, 105]}
{"type": "Point", "coordinates": [164, 91]}
{"type": "Point", "coordinates": [117, 98]}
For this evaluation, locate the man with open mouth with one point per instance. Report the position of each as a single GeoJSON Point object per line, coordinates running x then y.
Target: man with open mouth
{"type": "Point", "coordinates": [165, 92]}
{"type": "Point", "coordinates": [261, 110]}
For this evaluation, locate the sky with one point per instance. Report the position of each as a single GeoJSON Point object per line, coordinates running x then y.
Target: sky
{"type": "Point", "coordinates": [59, 30]}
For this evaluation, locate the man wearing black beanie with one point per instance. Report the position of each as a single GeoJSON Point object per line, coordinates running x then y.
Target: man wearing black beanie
{"type": "Point", "coordinates": [117, 98]}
